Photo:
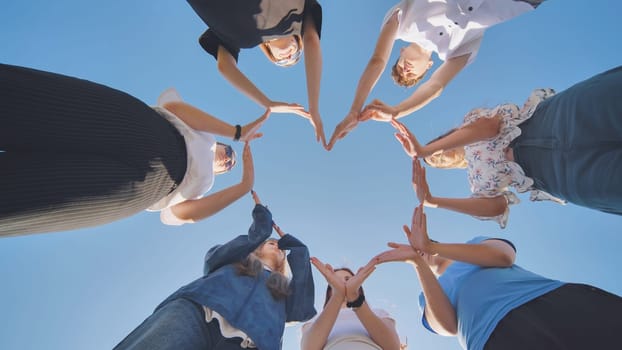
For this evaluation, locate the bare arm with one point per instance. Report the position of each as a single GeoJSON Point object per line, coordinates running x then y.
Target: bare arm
{"type": "Point", "coordinates": [480, 130]}
{"type": "Point", "coordinates": [314, 335]}
{"type": "Point", "coordinates": [194, 210]}
{"type": "Point", "coordinates": [313, 69]}
{"type": "Point", "coordinates": [228, 67]}
{"type": "Point", "coordinates": [489, 253]}
{"type": "Point", "coordinates": [371, 74]}
{"type": "Point", "coordinates": [433, 87]}
{"type": "Point", "coordinates": [381, 330]}
{"type": "Point", "coordinates": [376, 64]}
{"type": "Point", "coordinates": [200, 120]}
{"type": "Point", "coordinates": [486, 207]}
{"type": "Point", "coordinates": [438, 310]}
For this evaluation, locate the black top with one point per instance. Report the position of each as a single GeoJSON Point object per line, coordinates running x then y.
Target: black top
{"type": "Point", "coordinates": [236, 24]}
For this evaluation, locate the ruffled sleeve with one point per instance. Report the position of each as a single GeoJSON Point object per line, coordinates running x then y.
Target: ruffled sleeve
{"type": "Point", "coordinates": [510, 199]}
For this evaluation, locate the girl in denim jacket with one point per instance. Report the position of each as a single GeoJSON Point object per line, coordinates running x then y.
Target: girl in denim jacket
{"type": "Point", "coordinates": [243, 300]}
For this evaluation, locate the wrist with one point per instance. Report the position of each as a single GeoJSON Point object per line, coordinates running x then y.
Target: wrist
{"type": "Point", "coordinates": [430, 202]}
{"type": "Point", "coordinates": [237, 133]}
{"type": "Point", "coordinates": [354, 304]}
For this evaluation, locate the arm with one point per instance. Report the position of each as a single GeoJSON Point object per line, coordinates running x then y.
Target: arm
{"type": "Point", "coordinates": [488, 207]}
{"type": "Point", "coordinates": [433, 87]}
{"type": "Point", "coordinates": [314, 335]}
{"type": "Point", "coordinates": [202, 121]}
{"type": "Point", "coordinates": [376, 64]}
{"type": "Point", "coordinates": [299, 304]}
{"type": "Point", "coordinates": [489, 253]}
{"type": "Point", "coordinates": [371, 74]}
{"type": "Point", "coordinates": [381, 330]}
{"type": "Point", "coordinates": [193, 210]}
{"type": "Point", "coordinates": [439, 313]}
{"type": "Point", "coordinates": [480, 130]}
{"type": "Point", "coordinates": [228, 67]}
{"type": "Point", "coordinates": [239, 247]}
{"type": "Point", "coordinates": [313, 69]}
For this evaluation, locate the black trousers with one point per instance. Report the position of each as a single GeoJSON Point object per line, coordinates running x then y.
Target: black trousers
{"type": "Point", "coordinates": [78, 154]}
{"type": "Point", "coordinates": [574, 316]}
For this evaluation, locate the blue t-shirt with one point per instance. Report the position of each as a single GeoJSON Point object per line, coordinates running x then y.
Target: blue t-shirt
{"type": "Point", "coordinates": [482, 296]}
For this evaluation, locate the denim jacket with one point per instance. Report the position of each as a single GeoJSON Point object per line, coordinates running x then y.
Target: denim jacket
{"type": "Point", "coordinates": [244, 301]}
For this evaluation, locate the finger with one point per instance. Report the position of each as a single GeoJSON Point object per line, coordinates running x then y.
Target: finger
{"type": "Point", "coordinates": [393, 244]}
{"type": "Point", "coordinates": [407, 231]}
{"type": "Point", "coordinates": [255, 197]}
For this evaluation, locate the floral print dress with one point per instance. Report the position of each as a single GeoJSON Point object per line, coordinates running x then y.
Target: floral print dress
{"type": "Point", "coordinates": [490, 174]}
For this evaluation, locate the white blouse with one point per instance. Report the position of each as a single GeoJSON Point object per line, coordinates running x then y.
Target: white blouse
{"type": "Point", "coordinates": [199, 176]}
{"type": "Point", "coordinates": [349, 333]}
{"type": "Point", "coordinates": [490, 174]}
{"type": "Point", "coordinates": [452, 28]}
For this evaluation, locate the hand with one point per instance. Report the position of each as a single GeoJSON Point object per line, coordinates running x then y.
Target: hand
{"type": "Point", "coordinates": [336, 283]}
{"type": "Point", "coordinates": [255, 197]}
{"type": "Point", "coordinates": [278, 230]}
{"type": "Point", "coordinates": [379, 111]}
{"type": "Point", "coordinates": [411, 146]}
{"type": "Point", "coordinates": [355, 282]}
{"type": "Point", "coordinates": [399, 252]}
{"type": "Point", "coordinates": [418, 233]}
{"type": "Point", "coordinates": [284, 107]}
{"type": "Point", "coordinates": [420, 184]}
{"type": "Point", "coordinates": [347, 124]}
{"type": "Point", "coordinates": [248, 170]}
{"type": "Point", "coordinates": [316, 122]}
{"type": "Point", "coordinates": [249, 131]}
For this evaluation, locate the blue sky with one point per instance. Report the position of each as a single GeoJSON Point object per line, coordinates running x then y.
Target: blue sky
{"type": "Point", "coordinates": [87, 289]}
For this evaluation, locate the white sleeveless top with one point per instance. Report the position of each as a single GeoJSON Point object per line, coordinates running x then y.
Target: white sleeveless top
{"type": "Point", "coordinates": [199, 176]}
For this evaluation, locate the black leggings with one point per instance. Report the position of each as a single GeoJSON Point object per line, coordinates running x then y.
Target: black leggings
{"type": "Point", "coordinates": [573, 316]}
{"type": "Point", "coordinates": [78, 154]}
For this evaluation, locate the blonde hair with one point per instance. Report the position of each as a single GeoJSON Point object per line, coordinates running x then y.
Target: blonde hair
{"type": "Point", "coordinates": [252, 266]}
{"type": "Point", "coordinates": [265, 48]}
{"type": "Point", "coordinates": [400, 79]}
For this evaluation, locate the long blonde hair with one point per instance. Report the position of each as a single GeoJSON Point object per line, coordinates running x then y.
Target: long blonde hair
{"type": "Point", "coordinates": [277, 283]}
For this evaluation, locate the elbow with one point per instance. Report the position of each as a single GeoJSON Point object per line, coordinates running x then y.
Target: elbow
{"type": "Point", "coordinates": [377, 62]}
{"type": "Point", "coordinates": [436, 88]}
{"type": "Point", "coordinates": [490, 126]}
{"type": "Point", "coordinates": [506, 259]}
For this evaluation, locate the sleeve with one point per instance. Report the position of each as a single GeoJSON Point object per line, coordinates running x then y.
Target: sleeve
{"type": "Point", "coordinates": [471, 47]}
{"type": "Point", "coordinates": [210, 42]}
{"type": "Point", "coordinates": [424, 321]}
{"type": "Point", "coordinates": [510, 198]}
{"type": "Point", "coordinates": [239, 247]}
{"type": "Point", "coordinates": [480, 239]}
{"type": "Point", "coordinates": [299, 305]}
{"type": "Point", "coordinates": [168, 218]}
{"type": "Point", "coordinates": [313, 11]}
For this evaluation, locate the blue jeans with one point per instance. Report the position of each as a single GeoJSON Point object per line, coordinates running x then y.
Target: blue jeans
{"type": "Point", "coordinates": [572, 145]}
{"type": "Point", "coordinates": [180, 324]}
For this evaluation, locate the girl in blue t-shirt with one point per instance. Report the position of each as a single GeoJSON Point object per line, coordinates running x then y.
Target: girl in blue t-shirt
{"type": "Point", "coordinates": [475, 291]}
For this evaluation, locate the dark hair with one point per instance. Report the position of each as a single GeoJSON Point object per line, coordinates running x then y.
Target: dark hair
{"type": "Point", "coordinates": [277, 283]}
{"type": "Point", "coordinates": [329, 290]}
{"type": "Point", "coordinates": [231, 154]}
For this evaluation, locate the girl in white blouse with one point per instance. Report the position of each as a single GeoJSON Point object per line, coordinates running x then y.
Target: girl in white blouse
{"type": "Point", "coordinates": [347, 322]}
{"type": "Point", "coordinates": [78, 154]}
{"type": "Point", "coordinates": [452, 28]}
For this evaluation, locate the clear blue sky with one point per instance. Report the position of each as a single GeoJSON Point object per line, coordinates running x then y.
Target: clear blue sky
{"type": "Point", "coordinates": [87, 289]}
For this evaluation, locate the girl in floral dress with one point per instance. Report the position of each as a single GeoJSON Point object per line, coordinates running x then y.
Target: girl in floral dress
{"type": "Point", "coordinates": [561, 147]}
